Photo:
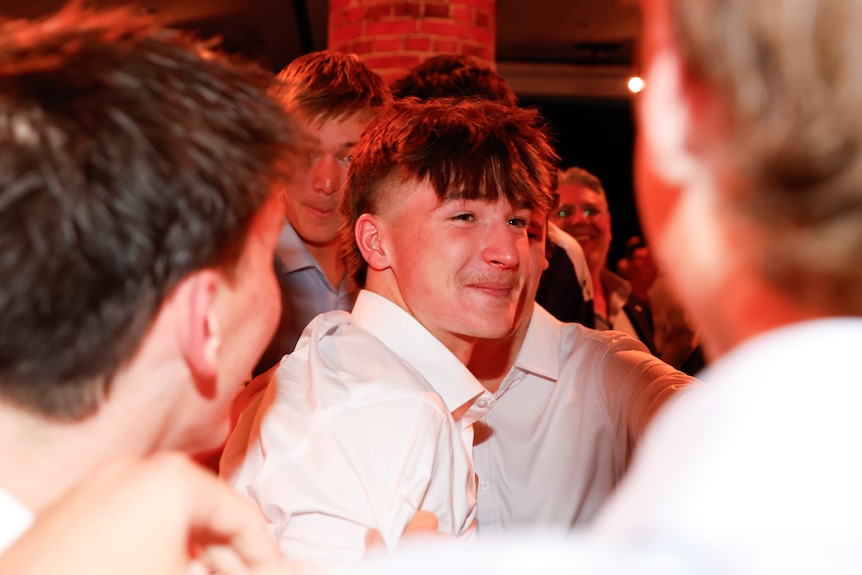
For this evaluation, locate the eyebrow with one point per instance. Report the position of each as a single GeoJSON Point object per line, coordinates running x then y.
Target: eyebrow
{"type": "Point", "coordinates": [340, 147]}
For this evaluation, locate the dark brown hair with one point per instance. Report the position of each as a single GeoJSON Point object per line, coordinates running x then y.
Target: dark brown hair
{"type": "Point", "coordinates": [454, 76]}
{"type": "Point", "coordinates": [130, 156]}
{"type": "Point", "coordinates": [474, 149]}
{"type": "Point", "coordinates": [329, 85]}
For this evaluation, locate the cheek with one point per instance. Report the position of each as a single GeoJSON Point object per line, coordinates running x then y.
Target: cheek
{"type": "Point", "coordinates": [527, 256]}
{"type": "Point", "coordinates": [295, 190]}
{"type": "Point", "coordinates": [538, 264]}
{"type": "Point", "coordinates": [604, 229]}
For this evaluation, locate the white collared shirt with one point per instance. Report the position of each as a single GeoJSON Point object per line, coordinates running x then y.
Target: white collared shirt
{"type": "Point", "coordinates": [565, 423]}
{"type": "Point", "coordinates": [358, 433]}
{"type": "Point", "coordinates": [15, 519]}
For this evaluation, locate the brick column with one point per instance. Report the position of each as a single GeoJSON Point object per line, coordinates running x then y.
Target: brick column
{"type": "Point", "coordinates": [395, 35]}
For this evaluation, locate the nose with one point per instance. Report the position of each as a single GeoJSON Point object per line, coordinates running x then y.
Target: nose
{"type": "Point", "coordinates": [576, 216]}
{"type": "Point", "coordinates": [326, 174]}
{"type": "Point", "coordinates": [502, 245]}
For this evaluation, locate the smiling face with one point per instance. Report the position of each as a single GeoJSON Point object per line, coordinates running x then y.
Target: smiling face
{"type": "Point", "coordinates": [458, 266]}
{"type": "Point", "coordinates": [312, 195]}
{"type": "Point", "coordinates": [592, 230]}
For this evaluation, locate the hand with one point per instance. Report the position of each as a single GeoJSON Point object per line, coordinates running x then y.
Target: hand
{"type": "Point", "coordinates": [423, 523]}
{"type": "Point", "coordinates": [162, 514]}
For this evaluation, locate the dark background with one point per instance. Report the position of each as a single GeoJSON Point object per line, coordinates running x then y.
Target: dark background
{"type": "Point", "coordinates": [597, 135]}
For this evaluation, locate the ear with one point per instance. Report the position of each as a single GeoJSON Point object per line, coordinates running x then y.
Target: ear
{"type": "Point", "coordinates": [370, 232]}
{"type": "Point", "coordinates": [665, 117]}
{"type": "Point", "coordinates": [201, 337]}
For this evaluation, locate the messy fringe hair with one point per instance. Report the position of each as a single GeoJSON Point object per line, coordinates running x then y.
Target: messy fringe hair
{"type": "Point", "coordinates": [471, 149]}
{"type": "Point", "coordinates": [130, 157]}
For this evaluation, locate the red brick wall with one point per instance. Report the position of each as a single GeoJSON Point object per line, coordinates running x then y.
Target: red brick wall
{"type": "Point", "coordinates": [395, 35]}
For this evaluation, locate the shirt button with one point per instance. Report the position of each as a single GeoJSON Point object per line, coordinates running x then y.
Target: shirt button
{"type": "Point", "coordinates": [482, 403]}
{"type": "Point", "coordinates": [485, 485]}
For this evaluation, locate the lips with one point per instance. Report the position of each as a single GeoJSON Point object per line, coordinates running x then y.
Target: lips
{"type": "Point", "coordinates": [322, 212]}
{"type": "Point", "coordinates": [498, 289]}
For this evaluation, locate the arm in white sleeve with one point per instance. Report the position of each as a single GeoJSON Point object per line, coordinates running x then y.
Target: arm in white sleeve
{"type": "Point", "coordinates": [369, 467]}
{"type": "Point", "coordinates": [636, 385]}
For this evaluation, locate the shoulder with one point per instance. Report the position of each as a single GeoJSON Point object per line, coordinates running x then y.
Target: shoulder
{"type": "Point", "coordinates": [600, 342]}
{"type": "Point", "coordinates": [335, 361]}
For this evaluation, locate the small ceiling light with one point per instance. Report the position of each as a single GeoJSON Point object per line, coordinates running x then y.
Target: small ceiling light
{"type": "Point", "coordinates": [635, 84]}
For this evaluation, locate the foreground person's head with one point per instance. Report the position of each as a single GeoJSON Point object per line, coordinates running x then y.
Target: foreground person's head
{"type": "Point", "coordinates": [136, 219]}
{"type": "Point", "coordinates": [749, 159]}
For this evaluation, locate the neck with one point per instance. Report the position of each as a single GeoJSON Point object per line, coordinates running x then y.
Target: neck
{"type": "Point", "coordinates": [329, 257]}
{"type": "Point", "coordinates": [492, 359]}
{"type": "Point", "coordinates": [44, 458]}
{"type": "Point", "coordinates": [750, 308]}
{"type": "Point", "coordinates": [384, 284]}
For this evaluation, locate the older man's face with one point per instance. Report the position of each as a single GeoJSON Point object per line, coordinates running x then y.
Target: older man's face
{"type": "Point", "coordinates": [583, 213]}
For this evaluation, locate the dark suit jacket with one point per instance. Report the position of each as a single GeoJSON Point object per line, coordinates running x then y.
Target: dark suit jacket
{"type": "Point", "coordinates": [560, 291]}
{"type": "Point", "coordinates": [639, 313]}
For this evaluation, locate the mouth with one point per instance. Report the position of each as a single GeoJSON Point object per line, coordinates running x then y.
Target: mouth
{"type": "Point", "coordinates": [495, 289]}
{"type": "Point", "coordinates": [583, 235]}
{"type": "Point", "coordinates": [321, 212]}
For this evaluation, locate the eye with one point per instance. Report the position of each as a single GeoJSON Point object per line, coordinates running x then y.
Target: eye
{"type": "Point", "coordinates": [464, 217]}
{"type": "Point", "coordinates": [519, 223]}
{"type": "Point", "coordinates": [564, 211]}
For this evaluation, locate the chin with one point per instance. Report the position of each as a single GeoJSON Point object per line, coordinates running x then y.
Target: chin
{"type": "Point", "coordinates": [493, 330]}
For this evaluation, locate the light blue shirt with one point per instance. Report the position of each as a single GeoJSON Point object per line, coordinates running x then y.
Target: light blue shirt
{"type": "Point", "coordinates": [305, 293]}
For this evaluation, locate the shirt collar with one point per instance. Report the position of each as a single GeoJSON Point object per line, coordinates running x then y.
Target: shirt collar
{"type": "Point", "coordinates": [292, 253]}
{"type": "Point", "coordinates": [540, 351]}
{"type": "Point", "coordinates": [405, 336]}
